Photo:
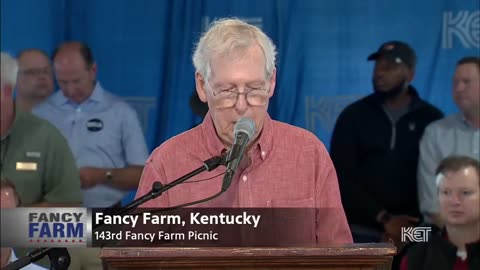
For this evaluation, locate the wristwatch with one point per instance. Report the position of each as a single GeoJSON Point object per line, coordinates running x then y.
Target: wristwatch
{"type": "Point", "coordinates": [109, 176]}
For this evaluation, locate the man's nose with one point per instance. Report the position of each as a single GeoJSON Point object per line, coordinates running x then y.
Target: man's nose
{"type": "Point", "coordinates": [459, 87]}
{"type": "Point", "coordinates": [69, 90]}
{"type": "Point", "coordinates": [455, 198]}
{"type": "Point", "coordinates": [242, 104]}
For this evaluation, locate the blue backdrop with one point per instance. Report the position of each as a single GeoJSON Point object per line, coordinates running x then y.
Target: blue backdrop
{"type": "Point", "coordinates": [143, 49]}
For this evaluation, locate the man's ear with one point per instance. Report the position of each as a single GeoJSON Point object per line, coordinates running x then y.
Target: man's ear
{"type": "Point", "coordinates": [411, 74]}
{"type": "Point", "coordinates": [200, 86]}
{"type": "Point", "coordinates": [93, 70]}
{"type": "Point", "coordinates": [273, 79]}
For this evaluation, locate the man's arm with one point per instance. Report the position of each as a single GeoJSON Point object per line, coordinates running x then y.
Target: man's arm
{"type": "Point", "coordinates": [126, 178]}
{"type": "Point", "coordinates": [122, 178]}
{"type": "Point", "coordinates": [427, 163]}
{"type": "Point", "coordinates": [61, 180]}
{"type": "Point", "coordinates": [345, 157]}
{"type": "Point", "coordinates": [332, 224]}
{"type": "Point", "coordinates": [135, 154]}
{"type": "Point", "coordinates": [133, 139]}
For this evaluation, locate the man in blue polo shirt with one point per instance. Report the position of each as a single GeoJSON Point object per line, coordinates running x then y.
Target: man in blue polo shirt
{"type": "Point", "coordinates": [103, 131]}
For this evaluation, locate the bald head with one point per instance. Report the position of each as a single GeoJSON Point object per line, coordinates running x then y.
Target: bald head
{"type": "Point", "coordinates": [74, 47]}
{"type": "Point", "coordinates": [33, 51]}
{"type": "Point", "coordinates": [466, 87]}
{"type": "Point", "coordinates": [8, 199]}
{"type": "Point", "coordinates": [35, 77]}
{"type": "Point", "coordinates": [75, 70]}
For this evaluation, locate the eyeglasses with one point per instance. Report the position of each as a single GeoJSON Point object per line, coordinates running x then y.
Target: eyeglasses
{"type": "Point", "coordinates": [37, 71]}
{"type": "Point", "coordinates": [228, 97]}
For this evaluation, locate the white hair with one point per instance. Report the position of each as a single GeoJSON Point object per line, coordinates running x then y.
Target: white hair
{"type": "Point", "coordinates": [9, 70]}
{"type": "Point", "coordinates": [228, 35]}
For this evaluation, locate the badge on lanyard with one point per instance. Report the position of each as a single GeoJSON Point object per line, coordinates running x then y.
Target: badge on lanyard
{"type": "Point", "coordinates": [94, 125]}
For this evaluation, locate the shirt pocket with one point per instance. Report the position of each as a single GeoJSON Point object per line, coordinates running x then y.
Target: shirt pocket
{"type": "Point", "coordinates": [292, 222]}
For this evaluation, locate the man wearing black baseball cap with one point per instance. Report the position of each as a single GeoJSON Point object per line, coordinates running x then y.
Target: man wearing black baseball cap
{"type": "Point", "coordinates": [374, 148]}
{"type": "Point", "coordinates": [396, 51]}
{"type": "Point", "coordinates": [394, 70]}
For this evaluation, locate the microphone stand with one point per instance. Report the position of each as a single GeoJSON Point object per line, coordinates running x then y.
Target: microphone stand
{"type": "Point", "coordinates": [59, 257]}
{"type": "Point", "coordinates": [158, 188]}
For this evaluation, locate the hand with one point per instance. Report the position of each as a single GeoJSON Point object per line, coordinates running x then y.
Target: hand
{"type": "Point", "coordinates": [393, 227]}
{"type": "Point", "coordinates": [389, 239]}
{"type": "Point", "coordinates": [90, 177]}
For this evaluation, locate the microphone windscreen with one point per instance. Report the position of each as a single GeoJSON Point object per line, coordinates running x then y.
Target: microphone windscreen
{"type": "Point", "coordinates": [245, 125]}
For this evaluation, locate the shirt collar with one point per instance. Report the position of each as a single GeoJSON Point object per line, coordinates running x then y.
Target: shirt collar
{"type": "Point", "coordinates": [465, 122]}
{"type": "Point", "coordinates": [415, 101]}
{"type": "Point", "coordinates": [265, 140]}
{"type": "Point", "coordinates": [96, 96]}
{"type": "Point", "coordinates": [215, 146]}
{"type": "Point", "coordinates": [98, 93]}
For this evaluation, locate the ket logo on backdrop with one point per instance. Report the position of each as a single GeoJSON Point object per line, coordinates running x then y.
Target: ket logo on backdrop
{"type": "Point", "coordinates": [325, 110]}
{"type": "Point", "coordinates": [463, 26]}
{"type": "Point", "coordinates": [44, 227]}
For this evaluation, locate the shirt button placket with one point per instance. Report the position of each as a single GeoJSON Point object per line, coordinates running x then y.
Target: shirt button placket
{"type": "Point", "coordinates": [76, 133]}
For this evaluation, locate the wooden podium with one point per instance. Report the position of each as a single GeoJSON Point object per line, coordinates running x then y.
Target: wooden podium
{"type": "Point", "coordinates": [356, 256]}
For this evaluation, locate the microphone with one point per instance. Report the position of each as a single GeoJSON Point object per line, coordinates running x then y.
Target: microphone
{"type": "Point", "coordinates": [243, 132]}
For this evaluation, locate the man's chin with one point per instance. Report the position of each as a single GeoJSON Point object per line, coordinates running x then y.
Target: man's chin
{"type": "Point", "coordinates": [380, 87]}
{"type": "Point", "coordinates": [382, 94]}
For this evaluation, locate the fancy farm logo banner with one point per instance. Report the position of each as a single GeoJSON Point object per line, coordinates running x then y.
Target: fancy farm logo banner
{"type": "Point", "coordinates": [44, 227]}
